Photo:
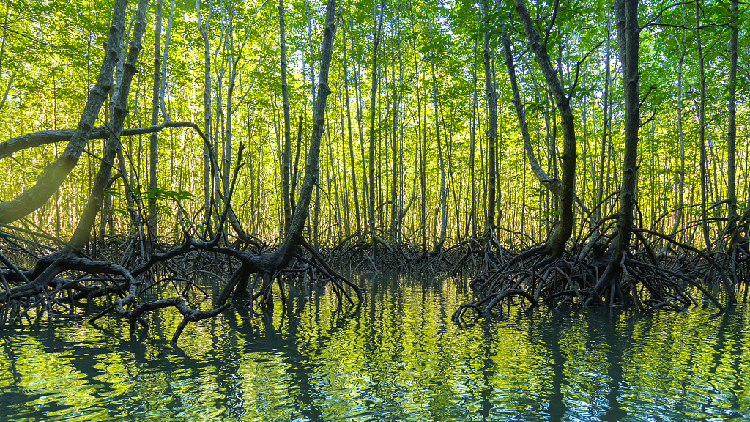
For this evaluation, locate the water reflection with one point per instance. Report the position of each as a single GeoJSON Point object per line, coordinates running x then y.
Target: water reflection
{"type": "Point", "coordinates": [397, 357]}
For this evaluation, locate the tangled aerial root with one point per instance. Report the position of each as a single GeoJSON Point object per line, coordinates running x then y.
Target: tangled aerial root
{"type": "Point", "coordinates": [677, 278]}
{"type": "Point", "coordinates": [60, 280]}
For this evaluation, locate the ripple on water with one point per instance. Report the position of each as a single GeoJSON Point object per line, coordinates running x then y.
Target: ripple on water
{"type": "Point", "coordinates": [399, 357]}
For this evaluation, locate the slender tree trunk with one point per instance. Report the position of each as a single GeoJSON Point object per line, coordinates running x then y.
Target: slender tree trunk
{"type": "Point", "coordinates": [349, 126]}
{"type": "Point", "coordinates": [227, 154]}
{"type": "Point", "coordinates": [295, 167]}
{"type": "Point", "coordinates": [344, 167]}
{"type": "Point", "coordinates": [472, 142]}
{"type": "Point", "coordinates": [153, 140]}
{"type": "Point", "coordinates": [443, 194]}
{"type": "Point", "coordinates": [203, 29]}
{"type": "Point", "coordinates": [598, 205]}
{"type": "Point", "coordinates": [489, 90]}
{"type": "Point", "coordinates": [373, 91]}
{"type": "Point", "coordinates": [287, 152]}
{"type": "Point", "coordinates": [2, 55]}
{"type": "Point", "coordinates": [312, 57]}
{"type": "Point", "coordinates": [360, 125]}
{"type": "Point", "coordinates": [702, 129]}
{"type": "Point", "coordinates": [681, 174]}
{"type": "Point", "coordinates": [421, 132]}
{"type": "Point", "coordinates": [397, 90]}
{"type": "Point", "coordinates": [332, 166]}
{"type": "Point", "coordinates": [422, 135]}
{"type": "Point", "coordinates": [731, 124]}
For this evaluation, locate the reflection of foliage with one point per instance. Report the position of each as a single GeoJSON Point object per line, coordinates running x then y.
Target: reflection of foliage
{"type": "Point", "coordinates": [402, 359]}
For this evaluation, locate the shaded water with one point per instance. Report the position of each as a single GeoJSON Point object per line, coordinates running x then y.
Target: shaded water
{"type": "Point", "coordinates": [399, 357]}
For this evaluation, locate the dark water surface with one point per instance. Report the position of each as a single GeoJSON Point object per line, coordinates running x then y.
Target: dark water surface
{"type": "Point", "coordinates": [398, 358]}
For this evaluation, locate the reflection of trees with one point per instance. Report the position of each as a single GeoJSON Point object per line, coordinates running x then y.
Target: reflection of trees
{"type": "Point", "coordinates": [383, 387]}
{"type": "Point", "coordinates": [488, 371]}
{"type": "Point", "coordinates": [550, 335]}
{"type": "Point", "coordinates": [62, 368]}
{"type": "Point", "coordinates": [730, 325]}
{"type": "Point", "coordinates": [615, 331]}
{"type": "Point", "coordinates": [297, 347]}
{"type": "Point", "coordinates": [399, 359]}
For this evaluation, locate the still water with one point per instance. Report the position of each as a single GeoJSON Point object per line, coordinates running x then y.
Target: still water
{"type": "Point", "coordinates": [396, 358]}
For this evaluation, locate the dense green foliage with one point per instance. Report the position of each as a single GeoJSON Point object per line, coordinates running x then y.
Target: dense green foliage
{"type": "Point", "coordinates": [51, 52]}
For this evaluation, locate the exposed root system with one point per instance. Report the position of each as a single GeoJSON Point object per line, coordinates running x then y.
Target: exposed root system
{"type": "Point", "coordinates": [59, 282]}
{"type": "Point", "coordinates": [676, 277]}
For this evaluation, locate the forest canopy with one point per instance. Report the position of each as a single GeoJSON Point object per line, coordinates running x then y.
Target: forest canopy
{"type": "Point", "coordinates": [51, 52]}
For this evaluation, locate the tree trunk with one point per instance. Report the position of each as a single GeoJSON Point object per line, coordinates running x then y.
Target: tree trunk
{"type": "Point", "coordinates": [489, 90]}
{"type": "Point", "coordinates": [472, 142]}
{"type": "Point", "coordinates": [313, 157]}
{"type": "Point", "coordinates": [681, 174]}
{"type": "Point", "coordinates": [312, 57]}
{"type": "Point", "coordinates": [81, 235]}
{"type": "Point", "coordinates": [203, 29]}
{"type": "Point", "coordinates": [286, 155]}
{"type": "Point", "coordinates": [546, 181]}
{"type": "Point", "coordinates": [165, 59]}
{"type": "Point", "coordinates": [443, 195]}
{"type": "Point", "coordinates": [227, 154]}
{"type": "Point", "coordinates": [702, 130]}
{"type": "Point", "coordinates": [371, 204]}
{"type": "Point", "coordinates": [153, 139]}
{"type": "Point", "coordinates": [599, 192]}
{"type": "Point", "coordinates": [731, 124]}
{"type": "Point", "coordinates": [564, 228]}
{"type": "Point", "coordinates": [397, 91]}
{"type": "Point", "coordinates": [626, 15]}
{"type": "Point", "coordinates": [349, 126]}
{"type": "Point", "coordinates": [632, 124]}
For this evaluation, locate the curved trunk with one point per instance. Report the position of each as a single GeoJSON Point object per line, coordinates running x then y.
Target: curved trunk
{"type": "Point", "coordinates": [564, 228]}
{"type": "Point", "coordinates": [301, 211]}
{"type": "Point", "coordinates": [550, 183]}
